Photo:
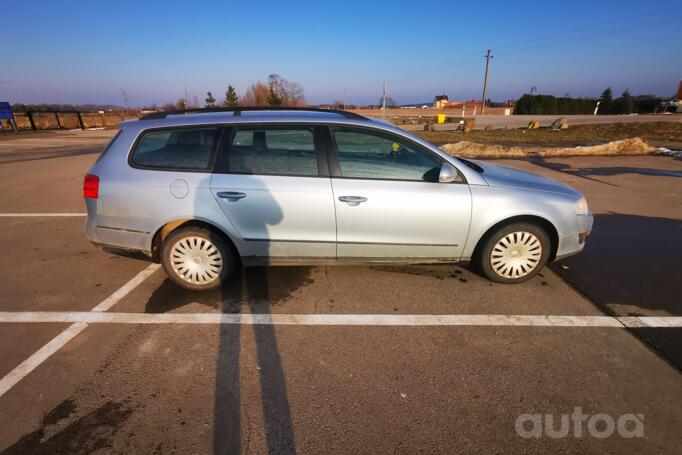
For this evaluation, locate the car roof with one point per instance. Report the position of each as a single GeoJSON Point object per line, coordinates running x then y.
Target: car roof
{"type": "Point", "coordinates": [246, 116]}
{"type": "Point", "coordinates": [273, 116]}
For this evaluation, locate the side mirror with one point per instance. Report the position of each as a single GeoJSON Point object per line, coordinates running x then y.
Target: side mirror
{"type": "Point", "coordinates": [448, 173]}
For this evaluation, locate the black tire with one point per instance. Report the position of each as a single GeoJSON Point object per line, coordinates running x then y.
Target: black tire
{"type": "Point", "coordinates": [187, 237]}
{"type": "Point", "coordinates": [494, 267]}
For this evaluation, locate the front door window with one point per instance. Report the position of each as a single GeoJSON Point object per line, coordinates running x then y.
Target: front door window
{"type": "Point", "coordinates": [374, 155]}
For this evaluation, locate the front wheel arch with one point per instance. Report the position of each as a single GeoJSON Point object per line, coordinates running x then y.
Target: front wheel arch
{"type": "Point", "coordinates": [532, 219]}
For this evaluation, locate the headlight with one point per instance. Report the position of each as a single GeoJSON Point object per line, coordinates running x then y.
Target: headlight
{"type": "Point", "coordinates": [581, 207]}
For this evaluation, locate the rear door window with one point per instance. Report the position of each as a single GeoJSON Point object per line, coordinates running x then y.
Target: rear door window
{"type": "Point", "coordinates": [276, 151]}
{"type": "Point", "coordinates": [177, 149]}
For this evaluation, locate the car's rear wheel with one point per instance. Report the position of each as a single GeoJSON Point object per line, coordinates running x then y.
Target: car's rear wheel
{"type": "Point", "coordinates": [515, 252]}
{"type": "Point", "coordinates": [196, 258]}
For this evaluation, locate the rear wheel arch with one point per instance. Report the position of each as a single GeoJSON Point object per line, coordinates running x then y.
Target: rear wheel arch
{"type": "Point", "coordinates": [543, 223]}
{"type": "Point", "coordinates": [164, 231]}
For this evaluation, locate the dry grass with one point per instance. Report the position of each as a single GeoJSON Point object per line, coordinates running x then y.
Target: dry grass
{"type": "Point", "coordinates": [430, 112]}
{"type": "Point", "coordinates": [656, 133]}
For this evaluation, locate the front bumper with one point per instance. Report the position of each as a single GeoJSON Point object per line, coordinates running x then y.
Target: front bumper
{"type": "Point", "coordinates": [574, 242]}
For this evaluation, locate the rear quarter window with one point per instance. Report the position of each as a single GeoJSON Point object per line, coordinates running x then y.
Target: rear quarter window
{"type": "Point", "coordinates": [177, 149]}
{"type": "Point", "coordinates": [106, 149]}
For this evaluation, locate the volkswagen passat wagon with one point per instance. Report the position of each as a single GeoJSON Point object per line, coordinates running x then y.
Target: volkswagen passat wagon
{"type": "Point", "coordinates": [206, 191]}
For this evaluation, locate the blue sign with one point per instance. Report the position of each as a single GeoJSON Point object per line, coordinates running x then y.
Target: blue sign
{"type": "Point", "coordinates": [5, 111]}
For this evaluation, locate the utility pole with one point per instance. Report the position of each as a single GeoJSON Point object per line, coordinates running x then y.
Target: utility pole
{"type": "Point", "coordinates": [125, 99]}
{"type": "Point", "coordinates": [485, 81]}
{"type": "Point", "coordinates": [343, 99]}
{"type": "Point", "coordinates": [383, 103]}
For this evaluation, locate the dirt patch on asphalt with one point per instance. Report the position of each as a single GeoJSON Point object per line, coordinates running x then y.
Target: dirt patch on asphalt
{"type": "Point", "coordinates": [632, 146]}
{"type": "Point", "coordinates": [60, 434]}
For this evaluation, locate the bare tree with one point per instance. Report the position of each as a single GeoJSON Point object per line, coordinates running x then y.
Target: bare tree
{"type": "Point", "coordinates": [390, 102]}
{"type": "Point", "coordinates": [290, 92]}
{"type": "Point", "coordinates": [277, 92]}
{"type": "Point", "coordinates": [295, 95]}
{"type": "Point", "coordinates": [273, 97]}
{"type": "Point", "coordinates": [255, 95]}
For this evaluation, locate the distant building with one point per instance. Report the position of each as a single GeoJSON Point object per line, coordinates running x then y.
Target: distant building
{"type": "Point", "coordinates": [472, 106]}
{"type": "Point", "coordinates": [440, 101]}
{"type": "Point", "coordinates": [443, 102]}
{"type": "Point", "coordinates": [453, 104]}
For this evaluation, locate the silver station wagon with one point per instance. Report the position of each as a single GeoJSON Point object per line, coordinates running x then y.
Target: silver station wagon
{"type": "Point", "coordinates": [204, 191]}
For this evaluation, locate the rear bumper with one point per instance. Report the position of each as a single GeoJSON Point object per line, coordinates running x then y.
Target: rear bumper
{"type": "Point", "coordinates": [112, 237]}
{"type": "Point", "coordinates": [122, 251]}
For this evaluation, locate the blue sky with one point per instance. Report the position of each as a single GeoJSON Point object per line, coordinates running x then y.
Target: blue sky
{"type": "Point", "coordinates": [84, 52]}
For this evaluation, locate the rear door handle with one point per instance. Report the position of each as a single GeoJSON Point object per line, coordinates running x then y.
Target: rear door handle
{"type": "Point", "coordinates": [231, 195]}
{"type": "Point", "coordinates": [353, 200]}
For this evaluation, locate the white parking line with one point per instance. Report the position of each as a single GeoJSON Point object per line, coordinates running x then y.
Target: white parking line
{"type": "Point", "coordinates": [661, 321]}
{"type": "Point", "coordinates": [341, 319]}
{"type": "Point", "coordinates": [15, 215]}
{"type": "Point", "coordinates": [44, 353]}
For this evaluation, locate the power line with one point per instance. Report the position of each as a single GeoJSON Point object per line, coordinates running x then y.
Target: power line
{"type": "Point", "coordinates": [598, 26]}
{"type": "Point", "coordinates": [573, 35]}
{"type": "Point", "coordinates": [576, 39]}
{"type": "Point", "coordinates": [125, 99]}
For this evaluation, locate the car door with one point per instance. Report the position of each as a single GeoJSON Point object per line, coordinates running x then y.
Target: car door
{"type": "Point", "coordinates": [389, 204]}
{"type": "Point", "coordinates": [272, 183]}
{"type": "Point", "coordinates": [166, 177]}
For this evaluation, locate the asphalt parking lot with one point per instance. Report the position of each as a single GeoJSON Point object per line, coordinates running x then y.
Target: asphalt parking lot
{"type": "Point", "coordinates": [374, 359]}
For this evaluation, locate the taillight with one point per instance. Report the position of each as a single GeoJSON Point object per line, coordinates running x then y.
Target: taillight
{"type": "Point", "coordinates": [91, 186]}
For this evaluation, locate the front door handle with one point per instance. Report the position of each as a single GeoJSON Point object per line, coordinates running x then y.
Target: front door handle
{"type": "Point", "coordinates": [353, 200]}
{"type": "Point", "coordinates": [231, 196]}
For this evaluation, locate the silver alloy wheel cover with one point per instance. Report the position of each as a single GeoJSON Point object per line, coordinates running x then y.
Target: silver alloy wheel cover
{"type": "Point", "coordinates": [516, 254]}
{"type": "Point", "coordinates": [196, 260]}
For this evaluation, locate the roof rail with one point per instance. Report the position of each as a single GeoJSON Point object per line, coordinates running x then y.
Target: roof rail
{"type": "Point", "coordinates": [238, 110]}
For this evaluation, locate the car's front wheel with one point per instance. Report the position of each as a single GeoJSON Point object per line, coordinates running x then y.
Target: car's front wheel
{"type": "Point", "coordinates": [196, 258]}
{"type": "Point", "coordinates": [514, 253]}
